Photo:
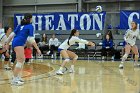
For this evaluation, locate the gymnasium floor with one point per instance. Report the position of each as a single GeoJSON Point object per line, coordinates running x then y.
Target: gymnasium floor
{"type": "Point", "coordinates": [90, 77]}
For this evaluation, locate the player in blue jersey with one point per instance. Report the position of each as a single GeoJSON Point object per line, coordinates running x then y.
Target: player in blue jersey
{"type": "Point", "coordinates": [23, 33]}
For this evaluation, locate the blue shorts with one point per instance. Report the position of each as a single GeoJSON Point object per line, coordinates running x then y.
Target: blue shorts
{"type": "Point", "coordinates": [17, 42]}
{"type": "Point", "coordinates": [59, 50]}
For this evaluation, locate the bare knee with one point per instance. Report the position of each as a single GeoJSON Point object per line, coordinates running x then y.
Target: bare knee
{"type": "Point", "coordinates": [21, 59]}
{"type": "Point", "coordinates": [76, 57]}
{"type": "Point", "coordinates": [136, 55]}
{"type": "Point", "coordinates": [125, 56]}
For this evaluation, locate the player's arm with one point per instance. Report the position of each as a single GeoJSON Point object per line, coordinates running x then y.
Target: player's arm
{"type": "Point", "coordinates": [126, 35]}
{"type": "Point", "coordinates": [11, 36]}
{"type": "Point", "coordinates": [56, 42]}
{"type": "Point", "coordinates": [84, 41]}
{"type": "Point", "coordinates": [31, 39]}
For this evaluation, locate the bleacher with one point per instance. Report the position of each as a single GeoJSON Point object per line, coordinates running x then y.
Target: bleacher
{"type": "Point", "coordinates": [90, 52]}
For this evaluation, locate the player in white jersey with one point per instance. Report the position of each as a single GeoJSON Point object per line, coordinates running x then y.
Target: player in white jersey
{"type": "Point", "coordinates": [66, 54]}
{"type": "Point", "coordinates": [130, 38]}
{"type": "Point", "coordinates": [3, 37]}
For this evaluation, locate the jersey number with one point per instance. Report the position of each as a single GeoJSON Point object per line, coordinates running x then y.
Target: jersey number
{"type": "Point", "coordinates": [21, 27]}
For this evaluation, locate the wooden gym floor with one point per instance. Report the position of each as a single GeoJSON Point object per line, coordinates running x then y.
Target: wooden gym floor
{"type": "Point", "coordinates": [90, 77]}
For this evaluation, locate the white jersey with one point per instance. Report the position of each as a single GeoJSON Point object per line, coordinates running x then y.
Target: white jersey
{"type": "Point", "coordinates": [53, 42]}
{"type": "Point", "coordinates": [72, 41]}
{"type": "Point", "coordinates": [3, 38]}
{"type": "Point", "coordinates": [131, 36]}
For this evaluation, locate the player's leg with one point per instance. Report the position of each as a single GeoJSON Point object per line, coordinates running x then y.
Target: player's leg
{"type": "Point", "coordinates": [127, 51]}
{"type": "Point", "coordinates": [7, 56]}
{"type": "Point", "coordinates": [73, 56]}
{"type": "Point", "coordinates": [13, 55]}
{"type": "Point", "coordinates": [135, 51]}
{"type": "Point", "coordinates": [6, 61]}
{"type": "Point", "coordinates": [66, 59]}
{"type": "Point", "coordinates": [19, 65]}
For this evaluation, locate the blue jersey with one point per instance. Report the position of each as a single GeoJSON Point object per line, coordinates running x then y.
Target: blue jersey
{"type": "Point", "coordinates": [107, 43]}
{"type": "Point", "coordinates": [21, 34]}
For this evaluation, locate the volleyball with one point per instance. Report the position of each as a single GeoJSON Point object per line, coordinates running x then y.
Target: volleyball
{"type": "Point", "coordinates": [98, 8]}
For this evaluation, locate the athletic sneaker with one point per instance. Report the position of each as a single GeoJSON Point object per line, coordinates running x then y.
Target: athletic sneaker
{"type": "Point", "coordinates": [136, 65]}
{"type": "Point", "coordinates": [7, 68]}
{"type": "Point", "coordinates": [59, 72]}
{"type": "Point", "coordinates": [17, 82]}
{"type": "Point", "coordinates": [11, 63]}
{"type": "Point", "coordinates": [103, 58]}
{"type": "Point", "coordinates": [52, 56]}
{"type": "Point", "coordinates": [20, 79]}
{"type": "Point", "coordinates": [71, 70]}
{"type": "Point", "coordinates": [121, 66]}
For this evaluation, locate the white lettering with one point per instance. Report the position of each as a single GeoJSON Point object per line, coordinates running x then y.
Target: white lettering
{"type": "Point", "coordinates": [19, 18]}
{"type": "Point", "coordinates": [48, 25]}
{"type": "Point", "coordinates": [39, 23]}
{"type": "Point", "coordinates": [73, 18]}
{"type": "Point", "coordinates": [61, 23]}
{"type": "Point", "coordinates": [88, 22]}
{"type": "Point", "coordinates": [98, 20]}
{"type": "Point", "coordinates": [130, 18]}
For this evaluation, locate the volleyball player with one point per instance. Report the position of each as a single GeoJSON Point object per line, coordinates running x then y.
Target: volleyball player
{"type": "Point", "coordinates": [22, 33]}
{"type": "Point", "coordinates": [3, 50]}
{"type": "Point", "coordinates": [130, 38]}
{"type": "Point", "coordinates": [66, 54]}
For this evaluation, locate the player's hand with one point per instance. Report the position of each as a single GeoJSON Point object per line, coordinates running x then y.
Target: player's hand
{"type": "Point", "coordinates": [38, 51]}
{"type": "Point", "coordinates": [6, 46]}
{"type": "Point", "coordinates": [91, 44]}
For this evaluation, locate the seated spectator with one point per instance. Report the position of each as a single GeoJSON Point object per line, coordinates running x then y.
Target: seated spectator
{"type": "Point", "coordinates": [53, 45]}
{"type": "Point", "coordinates": [107, 47]}
{"type": "Point", "coordinates": [109, 32]}
{"type": "Point", "coordinates": [43, 44]}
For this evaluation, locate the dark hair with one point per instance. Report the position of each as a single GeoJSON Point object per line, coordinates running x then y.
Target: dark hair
{"type": "Point", "coordinates": [6, 28]}
{"type": "Point", "coordinates": [53, 34]}
{"type": "Point", "coordinates": [109, 32]}
{"type": "Point", "coordinates": [26, 19]}
{"type": "Point", "coordinates": [136, 25]}
{"type": "Point", "coordinates": [44, 39]}
{"type": "Point", "coordinates": [73, 31]}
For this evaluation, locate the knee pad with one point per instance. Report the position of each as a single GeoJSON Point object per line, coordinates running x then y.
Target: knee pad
{"type": "Point", "coordinates": [6, 59]}
{"type": "Point", "coordinates": [22, 59]}
{"type": "Point", "coordinates": [18, 65]}
{"type": "Point", "coordinates": [67, 60]}
{"type": "Point", "coordinates": [76, 57]}
{"type": "Point", "coordinates": [125, 56]}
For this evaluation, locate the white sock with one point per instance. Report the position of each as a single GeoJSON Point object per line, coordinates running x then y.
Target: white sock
{"type": "Point", "coordinates": [6, 65]}
{"type": "Point", "coordinates": [135, 62]}
{"type": "Point", "coordinates": [72, 67]}
{"type": "Point", "coordinates": [15, 78]}
{"type": "Point", "coordinates": [61, 68]}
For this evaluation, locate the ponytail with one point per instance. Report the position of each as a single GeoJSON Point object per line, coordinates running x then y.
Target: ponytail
{"type": "Point", "coordinates": [72, 34]}
{"type": "Point", "coordinates": [26, 19]}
